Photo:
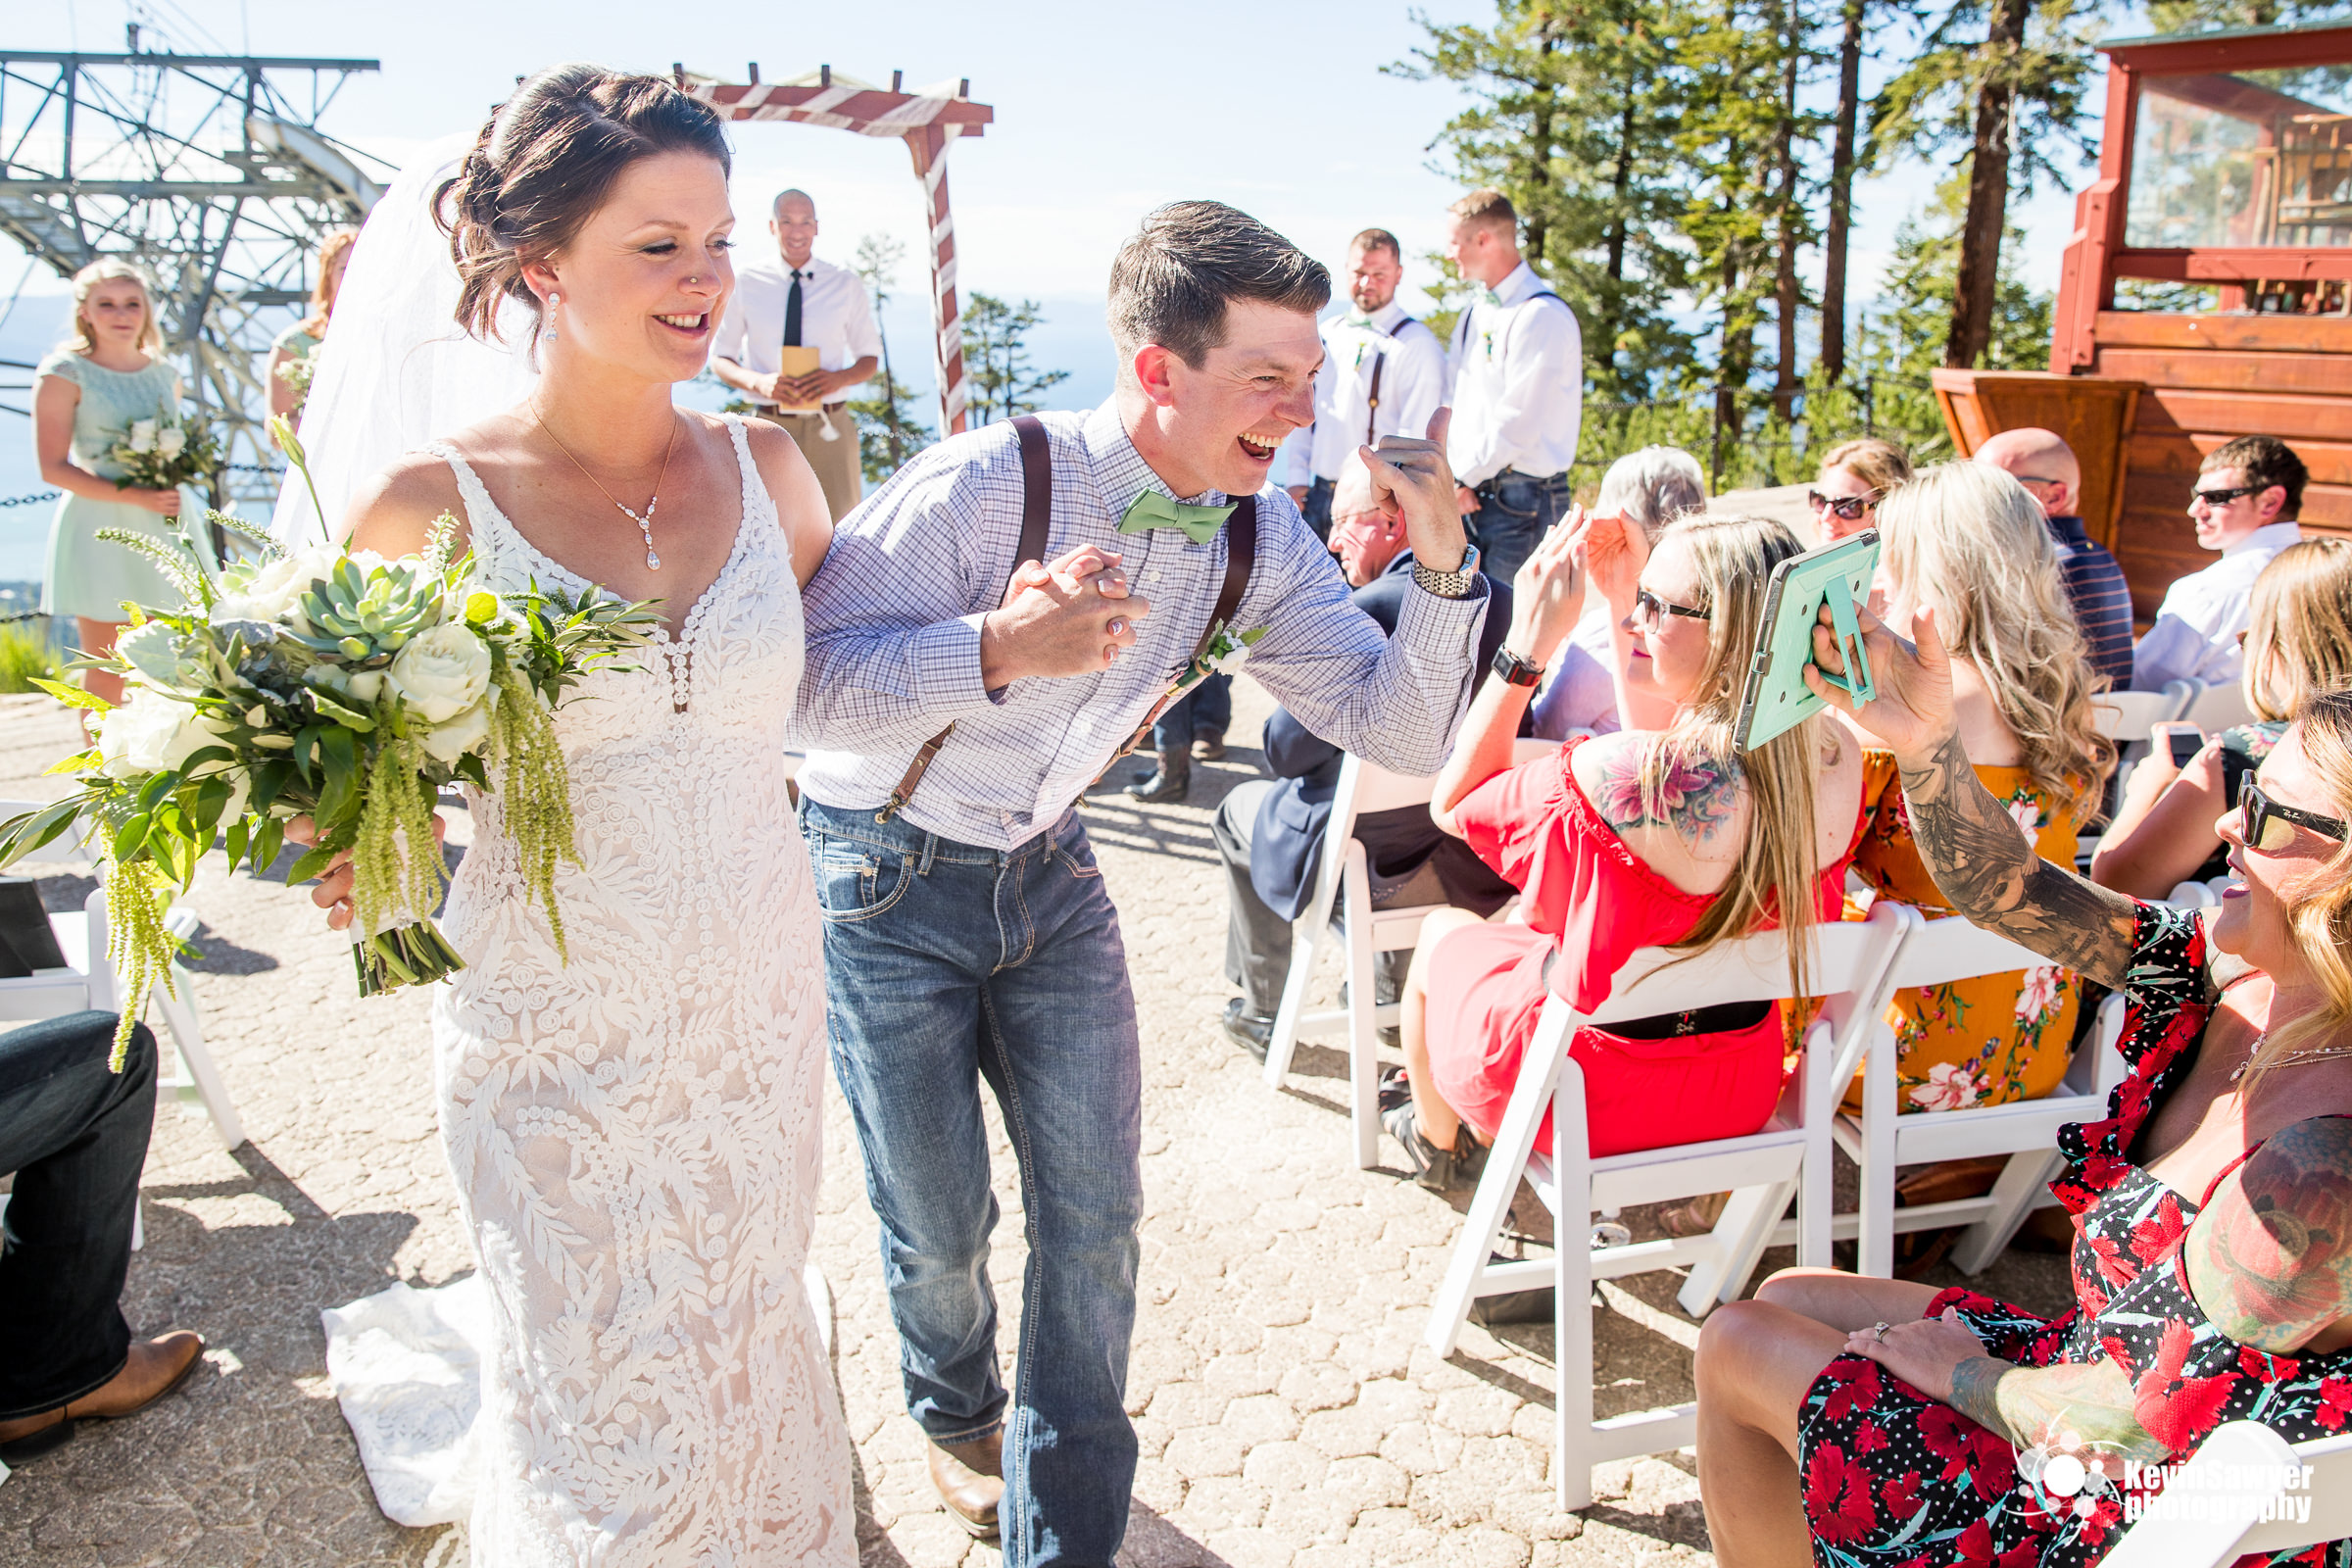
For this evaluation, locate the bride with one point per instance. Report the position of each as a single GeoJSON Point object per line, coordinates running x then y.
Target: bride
{"type": "Point", "coordinates": [634, 1133]}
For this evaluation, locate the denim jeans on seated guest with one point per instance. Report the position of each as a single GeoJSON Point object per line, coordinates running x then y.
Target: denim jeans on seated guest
{"type": "Point", "coordinates": [1207, 708]}
{"type": "Point", "coordinates": [972, 965]}
{"type": "Point", "coordinates": [76, 1135]}
{"type": "Point", "coordinates": [1514, 514]}
{"type": "Point", "coordinates": [1316, 508]}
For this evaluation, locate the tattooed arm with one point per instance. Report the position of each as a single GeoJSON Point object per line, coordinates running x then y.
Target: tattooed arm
{"type": "Point", "coordinates": [1981, 858]}
{"type": "Point", "coordinates": [2062, 1407]}
{"type": "Point", "coordinates": [2270, 1259]}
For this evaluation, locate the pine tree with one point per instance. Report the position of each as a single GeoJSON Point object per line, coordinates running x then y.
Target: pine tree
{"type": "Point", "coordinates": [996, 359]}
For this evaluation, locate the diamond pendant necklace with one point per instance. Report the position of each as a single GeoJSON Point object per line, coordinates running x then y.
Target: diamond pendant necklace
{"type": "Point", "coordinates": [644, 520]}
{"type": "Point", "coordinates": [2296, 1059]}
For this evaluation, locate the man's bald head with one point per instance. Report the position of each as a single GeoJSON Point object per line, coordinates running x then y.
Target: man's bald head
{"type": "Point", "coordinates": [2041, 462]}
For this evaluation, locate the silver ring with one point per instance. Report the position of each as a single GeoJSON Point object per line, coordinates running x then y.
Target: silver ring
{"type": "Point", "coordinates": [1879, 1331]}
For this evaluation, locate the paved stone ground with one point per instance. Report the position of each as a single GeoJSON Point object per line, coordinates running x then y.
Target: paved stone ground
{"type": "Point", "coordinates": [1289, 1414]}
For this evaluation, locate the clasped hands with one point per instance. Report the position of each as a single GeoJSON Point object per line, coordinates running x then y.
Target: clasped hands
{"type": "Point", "coordinates": [1071, 615]}
{"type": "Point", "coordinates": [797, 391]}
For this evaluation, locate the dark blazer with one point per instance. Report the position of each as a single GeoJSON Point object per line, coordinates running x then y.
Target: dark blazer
{"type": "Point", "coordinates": [1288, 835]}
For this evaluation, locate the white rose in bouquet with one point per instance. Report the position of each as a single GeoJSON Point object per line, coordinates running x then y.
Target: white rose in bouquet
{"type": "Point", "coordinates": [446, 743]}
{"type": "Point", "coordinates": [143, 435]}
{"type": "Point", "coordinates": [442, 673]}
{"type": "Point", "coordinates": [275, 588]}
{"type": "Point", "coordinates": [151, 733]}
{"type": "Point", "coordinates": [170, 442]}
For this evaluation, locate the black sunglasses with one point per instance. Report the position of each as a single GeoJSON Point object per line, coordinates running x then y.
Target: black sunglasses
{"type": "Point", "coordinates": [1653, 608]}
{"type": "Point", "coordinates": [1847, 508]}
{"type": "Point", "coordinates": [2222, 498]}
{"type": "Point", "coordinates": [2270, 827]}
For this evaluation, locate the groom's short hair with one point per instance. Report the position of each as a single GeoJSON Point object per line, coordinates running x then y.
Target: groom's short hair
{"type": "Point", "coordinates": [1174, 278]}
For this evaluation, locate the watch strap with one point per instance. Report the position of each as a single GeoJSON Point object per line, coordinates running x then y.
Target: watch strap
{"type": "Point", "coordinates": [1514, 670]}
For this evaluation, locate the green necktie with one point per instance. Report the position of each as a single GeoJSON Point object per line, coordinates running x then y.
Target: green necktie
{"type": "Point", "coordinates": [1155, 509]}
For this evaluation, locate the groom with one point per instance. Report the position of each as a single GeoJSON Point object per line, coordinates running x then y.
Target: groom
{"type": "Point", "coordinates": [954, 722]}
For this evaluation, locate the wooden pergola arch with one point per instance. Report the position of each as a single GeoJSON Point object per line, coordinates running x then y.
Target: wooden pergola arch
{"type": "Point", "coordinates": [927, 120]}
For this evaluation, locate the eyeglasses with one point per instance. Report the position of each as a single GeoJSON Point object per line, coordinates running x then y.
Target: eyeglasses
{"type": "Point", "coordinates": [1651, 610]}
{"type": "Point", "coordinates": [2222, 498]}
{"type": "Point", "coordinates": [2270, 827]}
{"type": "Point", "coordinates": [1847, 508]}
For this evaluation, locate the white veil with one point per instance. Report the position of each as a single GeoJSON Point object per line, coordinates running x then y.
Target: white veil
{"type": "Point", "coordinates": [397, 370]}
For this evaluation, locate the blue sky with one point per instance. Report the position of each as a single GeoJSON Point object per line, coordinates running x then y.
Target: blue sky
{"type": "Point", "coordinates": [1103, 111]}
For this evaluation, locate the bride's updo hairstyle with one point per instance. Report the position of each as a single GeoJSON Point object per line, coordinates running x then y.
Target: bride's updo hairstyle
{"type": "Point", "coordinates": [543, 166]}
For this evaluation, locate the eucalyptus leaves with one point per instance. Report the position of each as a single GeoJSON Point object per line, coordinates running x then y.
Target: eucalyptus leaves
{"type": "Point", "coordinates": [335, 685]}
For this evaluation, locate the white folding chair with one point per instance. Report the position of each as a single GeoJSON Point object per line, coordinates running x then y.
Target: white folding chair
{"type": "Point", "coordinates": [2125, 719]}
{"type": "Point", "coordinates": [2249, 1471]}
{"type": "Point", "coordinates": [2215, 709]}
{"type": "Point", "coordinates": [1343, 889]}
{"type": "Point", "coordinates": [1883, 1137]}
{"type": "Point", "coordinates": [1789, 1157]}
{"type": "Point", "coordinates": [88, 980]}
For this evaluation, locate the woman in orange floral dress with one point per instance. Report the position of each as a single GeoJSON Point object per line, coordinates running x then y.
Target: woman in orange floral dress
{"type": "Point", "coordinates": [1972, 542]}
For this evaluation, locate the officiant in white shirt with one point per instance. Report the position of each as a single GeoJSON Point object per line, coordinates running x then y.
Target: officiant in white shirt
{"type": "Point", "coordinates": [799, 301]}
{"type": "Point", "coordinates": [1384, 373]}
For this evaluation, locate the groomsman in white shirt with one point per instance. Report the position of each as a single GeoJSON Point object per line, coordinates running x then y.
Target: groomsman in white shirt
{"type": "Point", "coordinates": [1518, 387]}
{"type": "Point", "coordinates": [1384, 373]}
{"type": "Point", "coordinates": [798, 301]}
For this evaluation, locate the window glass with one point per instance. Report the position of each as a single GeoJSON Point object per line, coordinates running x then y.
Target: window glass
{"type": "Point", "coordinates": [2244, 158]}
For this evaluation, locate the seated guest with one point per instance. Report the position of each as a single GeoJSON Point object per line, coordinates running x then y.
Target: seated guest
{"type": "Point", "coordinates": [1872, 1422]}
{"type": "Point", "coordinates": [1647, 489]}
{"type": "Point", "coordinates": [2298, 644]}
{"type": "Point", "coordinates": [1664, 838]}
{"type": "Point", "coordinates": [1855, 476]}
{"type": "Point", "coordinates": [2045, 465]}
{"type": "Point", "coordinates": [2248, 494]}
{"type": "Point", "coordinates": [1969, 542]}
{"type": "Point", "coordinates": [76, 1135]}
{"type": "Point", "coordinates": [1269, 832]}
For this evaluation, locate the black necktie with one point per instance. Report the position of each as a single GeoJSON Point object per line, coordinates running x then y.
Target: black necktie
{"type": "Point", "coordinates": [791, 313]}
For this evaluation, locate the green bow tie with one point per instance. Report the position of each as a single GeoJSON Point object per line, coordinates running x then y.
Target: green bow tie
{"type": "Point", "coordinates": [1153, 510]}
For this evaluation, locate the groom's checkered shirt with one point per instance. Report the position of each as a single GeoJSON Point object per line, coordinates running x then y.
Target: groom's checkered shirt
{"type": "Point", "coordinates": [894, 638]}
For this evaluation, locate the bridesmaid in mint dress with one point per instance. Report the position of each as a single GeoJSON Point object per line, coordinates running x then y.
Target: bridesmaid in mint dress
{"type": "Point", "coordinates": [85, 396]}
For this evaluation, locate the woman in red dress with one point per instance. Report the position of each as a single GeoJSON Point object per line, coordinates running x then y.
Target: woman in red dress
{"type": "Point", "coordinates": [1637, 839]}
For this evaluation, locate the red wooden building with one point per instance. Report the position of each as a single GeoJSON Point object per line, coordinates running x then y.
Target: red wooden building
{"type": "Point", "coordinates": [2206, 292]}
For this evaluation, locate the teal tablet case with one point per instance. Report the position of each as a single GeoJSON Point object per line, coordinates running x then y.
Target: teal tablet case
{"type": "Point", "coordinates": [1776, 695]}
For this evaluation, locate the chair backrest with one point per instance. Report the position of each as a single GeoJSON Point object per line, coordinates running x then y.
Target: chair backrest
{"type": "Point", "coordinates": [1951, 948]}
{"type": "Point", "coordinates": [1848, 956]}
{"type": "Point", "coordinates": [2211, 1511]}
{"type": "Point", "coordinates": [2215, 709]}
{"type": "Point", "coordinates": [1365, 787]}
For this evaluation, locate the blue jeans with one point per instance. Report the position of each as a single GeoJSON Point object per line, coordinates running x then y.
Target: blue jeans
{"type": "Point", "coordinates": [1515, 512]}
{"type": "Point", "coordinates": [1316, 508]}
{"type": "Point", "coordinates": [947, 966]}
{"type": "Point", "coordinates": [76, 1137]}
{"type": "Point", "coordinates": [1207, 707]}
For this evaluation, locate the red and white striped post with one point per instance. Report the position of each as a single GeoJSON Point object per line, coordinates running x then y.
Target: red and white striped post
{"type": "Point", "coordinates": [929, 121]}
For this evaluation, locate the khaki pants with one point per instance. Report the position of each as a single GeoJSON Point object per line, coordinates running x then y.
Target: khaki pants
{"type": "Point", "coordinates": [838, 467]}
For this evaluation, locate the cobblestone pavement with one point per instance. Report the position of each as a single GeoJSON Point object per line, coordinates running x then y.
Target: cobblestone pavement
{"type": "Point", "coordinates": [1289, 1414]}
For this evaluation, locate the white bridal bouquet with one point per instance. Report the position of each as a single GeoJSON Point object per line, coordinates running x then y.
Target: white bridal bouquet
{"type": "Point", "coordinates": [167, 452]}
{"type": "Point", "coordinates": [337, 685]}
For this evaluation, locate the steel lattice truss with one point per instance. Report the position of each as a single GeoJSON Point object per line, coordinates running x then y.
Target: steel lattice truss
{"type": "Point", "coordinates": [208, 170]}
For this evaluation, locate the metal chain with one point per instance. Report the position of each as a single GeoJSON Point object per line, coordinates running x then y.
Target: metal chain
{"type": "Point", "coordinates": [27, 501]}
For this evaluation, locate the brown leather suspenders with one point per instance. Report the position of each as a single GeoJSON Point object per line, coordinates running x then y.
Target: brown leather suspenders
{"type": "Point", "coordinates": [1380, 362]}
{"type": "Point", "coordinates": [1037, 517]}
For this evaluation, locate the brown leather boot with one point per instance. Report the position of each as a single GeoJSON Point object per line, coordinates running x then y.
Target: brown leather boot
{"type": "Point", "coordinates": [154, 1369]}
{"type": "Point", "coordinates": [970, 1480]}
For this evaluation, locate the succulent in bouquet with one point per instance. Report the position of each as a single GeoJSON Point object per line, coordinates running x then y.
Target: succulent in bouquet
{"type": "Point", "coordinates": [167, 452]}
{"type": "Point", "coordinates": [337, 685]}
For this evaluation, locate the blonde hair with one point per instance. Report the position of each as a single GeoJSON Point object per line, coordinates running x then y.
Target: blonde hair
{"type": "Point", "coordinates": [2299, 627]}
{"type": "Point", "coordinates": [1969, 541]}
{"type": "Point", "coordinates": [1880, 464]}
{"type": "Point", "coordinates": [1777, 870]}
{"type": "Point", "coordinates": [2319, 911]}
{"type": "Point", "coordinates": [336, 247]}
{"type": "Point", "coordinates": [1490, 209]}
{"type": "Point", "coordinates": [106, 269]}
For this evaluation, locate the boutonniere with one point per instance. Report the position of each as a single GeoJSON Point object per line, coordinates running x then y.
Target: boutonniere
{"type": "Point", "coordinates": [1222, 651]}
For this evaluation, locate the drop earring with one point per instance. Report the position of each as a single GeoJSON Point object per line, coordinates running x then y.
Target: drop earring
{"type": "Point", "coordinates": [549, 331]}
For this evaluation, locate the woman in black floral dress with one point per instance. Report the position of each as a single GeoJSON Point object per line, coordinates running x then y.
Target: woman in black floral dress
{"type": "Point", "coordinates": [1864, 1422]}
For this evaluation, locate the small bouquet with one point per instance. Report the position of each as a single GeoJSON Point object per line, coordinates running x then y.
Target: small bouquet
{"type": "Point", "coordinates": [332, 684]}
{"type": "Point", "coordinates": [1222, 651]}
{"type": "Point", "coordinates": [298, 373]}
{"type": "Point", "coordinates": [165, 453]}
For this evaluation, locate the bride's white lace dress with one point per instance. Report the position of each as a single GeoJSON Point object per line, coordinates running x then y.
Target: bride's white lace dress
{"type": "Point", "coordinates": [635, 1135]}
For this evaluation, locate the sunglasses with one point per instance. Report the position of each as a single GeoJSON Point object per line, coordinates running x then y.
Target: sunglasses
{"type": "Point", "coordinates": [2222, 498]}
{"type": "Point", "coordinates": [1651, 610]}
{"type": "Point", "coordinates": [2270, 827]}
{"type": "Point", "coordinates": [1847, 508]}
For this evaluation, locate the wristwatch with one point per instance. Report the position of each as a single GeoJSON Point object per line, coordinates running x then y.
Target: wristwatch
{"type": "Point", "coordinates": [1511, 668]}
{"type": "Point", "coordinates": [1454, 584]}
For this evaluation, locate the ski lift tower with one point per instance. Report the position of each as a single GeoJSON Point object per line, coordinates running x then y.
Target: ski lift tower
{"type": "Point", "coordinates": [212, 172]}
